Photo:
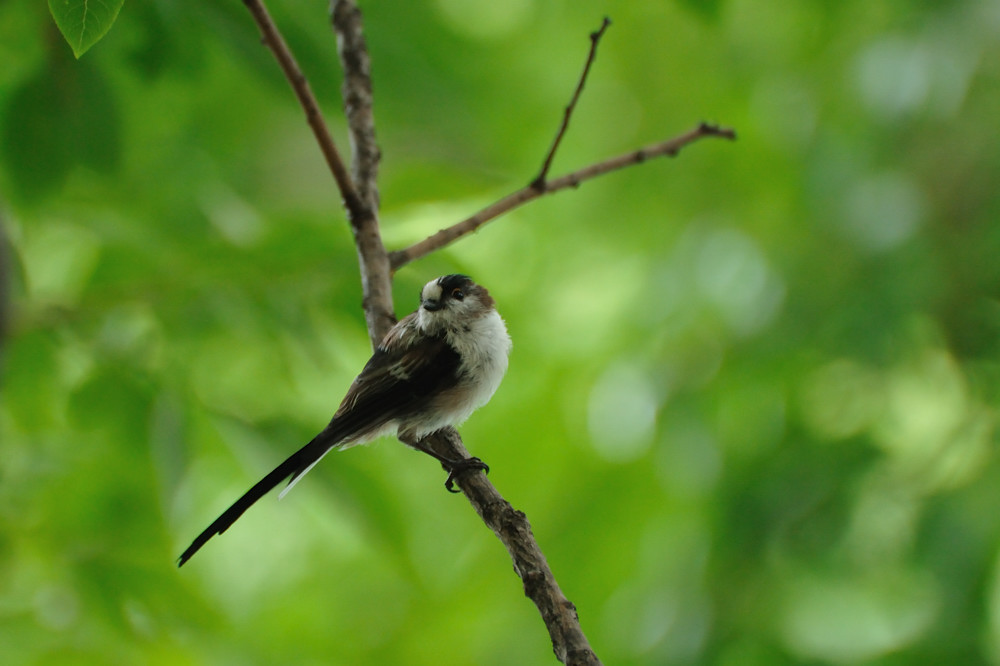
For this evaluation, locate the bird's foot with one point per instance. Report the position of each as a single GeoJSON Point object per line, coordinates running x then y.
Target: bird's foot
{"type": "Point", "coordinates": [458, 467]}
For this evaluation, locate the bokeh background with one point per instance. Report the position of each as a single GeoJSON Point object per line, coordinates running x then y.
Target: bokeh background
{"type": "Point", "coordinates": [751, 410]}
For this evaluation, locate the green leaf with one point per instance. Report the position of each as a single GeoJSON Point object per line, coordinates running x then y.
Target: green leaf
{"type": "Point", "coordinates": [84, 22]}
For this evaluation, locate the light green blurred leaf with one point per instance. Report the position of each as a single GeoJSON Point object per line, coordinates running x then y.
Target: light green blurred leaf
{"type": "Point", "coordinates": [84, 22]}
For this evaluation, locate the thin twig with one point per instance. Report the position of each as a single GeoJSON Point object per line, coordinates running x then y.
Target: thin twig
{"type": "Point", "coordinates": [273, 40]}
{"type": "Point", "coordinates": [373, 261]}
{"type": "Point", "coordinates": [357, 93]}
{"type": "Point", "coordinates": [444, 237]}
{"type": "Point", "coordinates": [539, 181]}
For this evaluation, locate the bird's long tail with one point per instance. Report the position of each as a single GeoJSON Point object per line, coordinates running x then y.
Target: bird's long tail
{"type": "Point", "coordinates": [295, 466]}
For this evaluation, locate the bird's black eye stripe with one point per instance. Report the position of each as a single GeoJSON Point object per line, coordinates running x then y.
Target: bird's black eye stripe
{"type": "Point", "coordinates": [457, 294]}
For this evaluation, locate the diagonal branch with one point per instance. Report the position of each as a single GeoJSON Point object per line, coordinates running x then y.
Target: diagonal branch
{"type": "Point", "coordinates": [511, 527]}
{"type": "Point", "coordinates": [539, 182]}
{"type": "Point", "coordinates": [272, 38]}
{"type": "Point", "coordinates": [444, 237]}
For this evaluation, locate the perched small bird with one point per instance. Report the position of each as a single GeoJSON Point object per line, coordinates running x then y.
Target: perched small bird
{"type": "Point", "coordinates": [432, 370]}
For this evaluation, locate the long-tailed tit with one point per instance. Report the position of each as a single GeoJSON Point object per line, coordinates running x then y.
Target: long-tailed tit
{"type": "Point", "coordinates": [432, 370]}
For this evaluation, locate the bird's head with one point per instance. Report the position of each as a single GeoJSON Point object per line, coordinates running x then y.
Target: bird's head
{"type": "Point", "coordinates": [451, 299]}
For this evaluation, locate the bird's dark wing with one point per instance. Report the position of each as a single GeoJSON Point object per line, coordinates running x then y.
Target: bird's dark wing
{"type": "Point", "coordinates": [396, 381]}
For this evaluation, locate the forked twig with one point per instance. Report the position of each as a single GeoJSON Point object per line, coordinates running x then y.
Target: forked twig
{"type": "Point", "coordinates": [539, 181]}
{"type": "Point", "coordinates": [669, 148]}
{"type": "Point", "coordinates": [273, 40]}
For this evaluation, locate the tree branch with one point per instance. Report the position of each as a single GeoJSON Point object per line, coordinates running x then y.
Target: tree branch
{"type": "Point", "coordinates": [539, 181]}
{"type": "Point", "coordinates": [357, 93]}
{"type": "Point", "coordinates": [444, 237]}
{"type": "Point", "coordinates": [569, 643]}
{"type": "Point", "coordinates": [272, 38]}
{"type": "Point", "coordinates": [374, 265]}
{"type": "Point", "coordinates": [373, 261]}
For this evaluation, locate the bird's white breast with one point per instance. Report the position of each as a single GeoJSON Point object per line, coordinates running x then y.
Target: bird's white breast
{"type": "Point", "coordinates": [484, 350]}
{"type": "Point", "coordinates": [483, 346]}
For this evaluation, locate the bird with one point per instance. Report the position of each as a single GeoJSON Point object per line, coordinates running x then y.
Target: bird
{"type": "Point", "coordinates": [432, 369]}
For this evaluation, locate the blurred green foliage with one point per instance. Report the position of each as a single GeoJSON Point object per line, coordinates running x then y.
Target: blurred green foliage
{"type": "Point", "coordinates": [751, 411]}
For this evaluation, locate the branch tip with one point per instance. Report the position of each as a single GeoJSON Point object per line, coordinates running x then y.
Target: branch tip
{"type": "Point", "coordinates": [711, 129]}
{"type": "Point", "coordinates": [596, 35]}
{"type": "Point", "coordinates": [542, 185]}
{"type": "Point", "coordinates": [538, 183]}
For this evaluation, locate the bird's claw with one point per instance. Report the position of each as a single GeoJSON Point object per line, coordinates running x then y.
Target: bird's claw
{"type": "Point", "coordinates": [461, 467]}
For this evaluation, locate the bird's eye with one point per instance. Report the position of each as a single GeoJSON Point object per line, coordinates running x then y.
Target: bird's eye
{"type": "Point", "coordinates": [457, 294]}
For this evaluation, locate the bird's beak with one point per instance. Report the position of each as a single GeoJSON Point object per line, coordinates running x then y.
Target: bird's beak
{"type": "Point", "coordinates": [431, 304]}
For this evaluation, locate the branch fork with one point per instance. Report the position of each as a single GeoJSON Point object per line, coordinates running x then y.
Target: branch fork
{"type": "Point", "coordinates": [359, 191]}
